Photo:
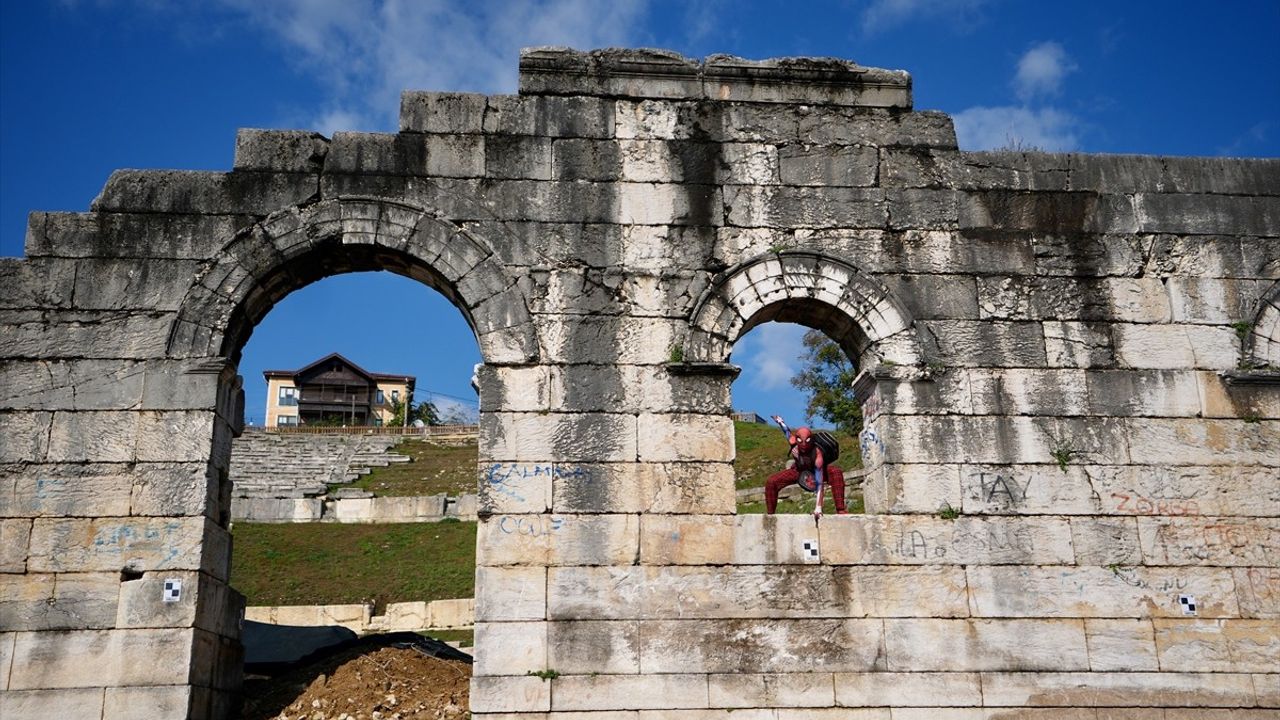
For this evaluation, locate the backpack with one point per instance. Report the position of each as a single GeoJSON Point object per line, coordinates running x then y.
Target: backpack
{"type": "Point", "coordinates": [828, 444]}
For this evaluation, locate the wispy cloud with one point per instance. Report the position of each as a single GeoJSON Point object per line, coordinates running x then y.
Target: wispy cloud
{"type": "Point", "coordinates": [883, 15]}
{"type": "Point", "coordinates": [1014, 127]}
{"type": "Point", "coordinates": [368, 51]}
{"type": "Point", "coordinates": [1041, 70]}
{"type": "Point", "coordinates": [1032, 125]}
{"type": "Point", "coordinates": [1242, 144]}
{"type": "Point", "coordinates": [770, 355]}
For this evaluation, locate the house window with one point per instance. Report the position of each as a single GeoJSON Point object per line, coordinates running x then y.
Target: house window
{"type": "Point", "coordinates": [286, 420]}
{"type": "Point", "coordinates": [288, 396]}
{"type": "Point", "coordinates": [382, 399]}
{"type": "Point", "coordinates": [395, 396]}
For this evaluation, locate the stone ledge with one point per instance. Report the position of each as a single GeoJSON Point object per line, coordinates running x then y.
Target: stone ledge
{"type": "Point", "coordinates": [662, 74]}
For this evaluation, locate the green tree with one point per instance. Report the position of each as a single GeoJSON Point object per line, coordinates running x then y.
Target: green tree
{"type": "Point", "coordinates": [827, 377]}
{"type": "Point", "coordinates": [424, 411]}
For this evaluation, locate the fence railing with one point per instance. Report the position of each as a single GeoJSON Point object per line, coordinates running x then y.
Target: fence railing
{"type": "Point", "coordinates": [427, 431]}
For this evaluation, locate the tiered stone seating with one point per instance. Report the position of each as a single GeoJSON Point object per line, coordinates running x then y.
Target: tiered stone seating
{"type": "Point", "coordinates": [270, 465]}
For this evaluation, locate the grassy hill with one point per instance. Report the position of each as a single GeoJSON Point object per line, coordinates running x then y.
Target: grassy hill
{"type": "Point", "coordinates": [449, 469]}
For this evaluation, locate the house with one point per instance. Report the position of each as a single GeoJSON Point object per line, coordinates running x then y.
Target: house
{"type": "Point", "coordinates": [334, 391]}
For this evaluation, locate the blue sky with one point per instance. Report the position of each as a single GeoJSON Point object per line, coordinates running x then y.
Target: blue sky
{"type": "Point", "coordinates": [89, 86]}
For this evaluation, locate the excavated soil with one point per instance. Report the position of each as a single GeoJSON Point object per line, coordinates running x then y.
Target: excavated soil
{"type": "Point", "coordinates": [363, 684]}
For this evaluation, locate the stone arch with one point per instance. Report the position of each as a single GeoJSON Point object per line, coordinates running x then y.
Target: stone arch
{"type": "Point", "coordinates": [296, 246]}
{"type": "Point", "coordinates": [1262, 344]}
{"type": "Point", "coordinates": [854, 309]}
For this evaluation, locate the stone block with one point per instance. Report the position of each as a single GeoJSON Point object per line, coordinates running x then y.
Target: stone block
{"type": "Point", "coordinates": [974, 343]}
{"type": "Point", "coordinates": [910, 689]}
{"type": "Point", "coordinates": [93, 436]}
{"type": "Point", "coordinates": [828, 165]}
{"type": "Point", "coordinates": [557, 437]}
{"type": "Point", "coordinates": [65, 489]}
{"type": "Point", "coordinates": [460, 156]}
{"type": "Point", "coordinates": [505, 594]}
{"type": "Point", "coordinates": [1141, 300]}
{"type": "Point", "coordinates": [1222, 399]}
{"type": "Point", "coordinates": [1157, 441]}
{"type": "Point", "coordinates": [377, 154]}
{"type": "Point", "coordinates": [902, 591]}
{"type": "Point", "coordinates": [587, 646]}
{"type": "Point", "coordinates": [1267, 689]}
{"type": "Point", "coordinates": [6, 659]}
{"type": "Point", "coordinates": [509, 694]}
{"type": "Point", "coordinates": [514, 156]}
{"type": "Point", "coordinates": [582, 159]}
{"type": "Point", "coordinates": [644, 488]}
{"type": "Point", "coordinates": [687, 539]}
{"type": "Point", "coordinates": [143, 601]}
{"type": "Point", "coordinates": [1214, 301]}
{"type": "Point", "coordinates": [1176, 347]}
{"type": "Point", "coordinates": [1045, 592]}
{"type": "Point", "coordinates": [96, 658]}
{"type": "Point", "coordinates": [915, 540]}
{"type": "Point", "coordinates": [151, 703]}
{"type": "Point", "coordinates": [287, 510]}
{"type": "Point", "coordinates": [1219, 646]}
{"type": "Point", "coordinates": [789, 690]}
{"type": "Point", "coordinates": [921, 645]}
{"type": "Point", "coordinates": [510, 648]}
{"type": "Point", "coordinates": [935, 297]}
{"type": "Point", "coordinates": [1106, 541]}
{"type": "Point", "coordinates": [1116, 689]}
{"type": "Point", "coordinates": [667, 204]}
{"type": "Point", "coordinates": [1121, 645]}
{"type": "Point", "coordinates": [76, 601]}
{"type": "Point", "coordinates": [557, 540]}
{"type": "Point", "coordinates": [918, 208]}
{"type": "Point", "coordinates": [750, 646]}
{"type": "Point", "coordinates": [1259, 591]}
{"type": "Point", "coordinates": [110, 544]}
{"type": "Point", "coordinates": [557, 117]}
{"type": "Point", "coordinates": [281, 150]}
{"type": "Point", "coordinates": [70, 384]}
{"type": "Point", "coordinates": [438, 112]}
{"type": "Point", "coordinates": [1078, 344]}
{"type": "Point", "coordinates": [629, 692]}
{"type": "Point", "coordinates": [514, 389]}
{"type": "Point", "coordinates": [1029, 392]}
{"type": "Point", "coordinates": [44, 704]}
{"type": "Point", "coordinates": [608, 340]}
{"type": "Point", "coordinates": [127, 284]}
{"type": "Point", "coordinates": [37, 282]}
{"type": "Point", "coordinates": [1161, 393]}
{"type": "Point", "coordinates": [451, 613]}
{"type": "Point", "coordinates": [998, 440]}
{"type": "Point", "coordinates": [684, 438]}
{"type": "Point", "coordinates": [805, 207]}
{"type": "Point", "coordinates": [773, 539]}
{"type": "Point", "coordinates": [1047, 212]}
{"type": "Point", "coordinates": [26, 436]}
{"type": "Point", "coordinates": [198, 192]}
{"type": "Point", "coordinates": [15, 538]}
{"type": "Point", "coordinates": [1204, 214]}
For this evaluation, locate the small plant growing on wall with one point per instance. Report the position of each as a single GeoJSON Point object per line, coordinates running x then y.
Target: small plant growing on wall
{"type": "Point", "coordinates": [1063, 454]}
{"type": "Point", "coordinates": [946, 512]}
{"type": "Point", "coordinates": [676, 354]}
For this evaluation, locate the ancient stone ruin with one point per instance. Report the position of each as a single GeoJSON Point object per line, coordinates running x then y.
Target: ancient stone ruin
{"type": "Point", "coordinates": [1069, 368]}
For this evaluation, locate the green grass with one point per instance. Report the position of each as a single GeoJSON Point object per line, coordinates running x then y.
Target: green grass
{"type": "Point", "coordinates": [330, 563]}
{"type": "Point", "coordinates": [449, 469]}
{"type": "Point", "coordinates": [464, 638]}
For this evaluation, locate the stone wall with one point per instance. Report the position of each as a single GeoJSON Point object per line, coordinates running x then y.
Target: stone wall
{"type": "Point", "coordinates": [1077, 354]}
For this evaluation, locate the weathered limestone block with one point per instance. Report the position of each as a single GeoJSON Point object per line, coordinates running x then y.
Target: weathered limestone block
{"type": "Point", "coordinates": [136, 544]}
{"type": "Point", "coordinates": [828, 165]}
{"type": "Point", "coordinates": [377, 153]}
{"type": "Point", "coordinates": [644, 488]}
{"type": "Point", "coordinates": [32, 490]}
{"type": "Point", "coordinates": [1117, 689]}
{"type": "Point", "coordinates": [1028, 392]}
{"type": "Point", "coordinates": [558, 117]}
{"type": "Point", "coordinates": [1000, 440]}
{"type": "Point", "coordinates": [82, 333]}
{"type": "Point", "coordinates": [1203, 214]}
{"type": "Point", "coordinates": [788, 690]}
{"type": "Point", "coordinates": [608, 340]}
{"type": "Point", "coordinates": [176, 489]}
{"type": "Point", "coordinates": [517, 157]}
{"type": "Point", "coordinates": [804, 207]}
{"type": "Point", "coordinates": [1210, 442]}
{"type": "Point", "coordinates": [1012, 169]}
{"type": "Point", "coordinates": [1176, 347]}
{"type": "Point", "coordinates": [1267, 689]}
{"type": "Point", "coordinates": [558, 437]}
{"type": "Point", "coordinates": [1121, 645]}
{"type": "Point", "coordinates": [973, 343]}
{"type": "Point", "coordinates": [509, 694]}
{"type": "Point", "coordinates": [1214, 301]}
{"type": "Point", "coordinates": [1222, 646]}
{"type": "Point", "coordinates": [145, 703]}
{"type": "Point", "coordinates": [1078, 344]}
{"type": "Point", "coordinates": [126, 284]}
{"type": "Point", "coordinates": [505, 594]}
{"type": "Point", "coordinates": [280, 150]}
{"type": "Point", "coordinates": [518, 487]}
{"type": "Point", "coordinates": [1259, 591]}
{"type": "Point", "coordinates": [143, 602]}
{"type": "Point", "coordinates": [684, 437]}
{"type": "Point", "coordinates": [43, 704]}
{"type": "Point", "coordinates": [1142, 300]}
{"type": "Point", "coordinates": [919, 208]}
{"type": "Point", "coordinates": [1163, 393]}
{"type": "Point", "coordinates": [585, 646]}
{"type": "Point", "coordinates": [15, 536]}
{"type": "Point", "coordinates": [1028, 591]}
{"type": "Point", "coordinates": [455, 156]}
{"type": "Point", "coordinates": [524, 648]}
{"type": "Point", "coordinates": [70, 601]}
{"type": "Point", "coordinates": [722, 646]}
{"type": "Point", "coordinates": [889, 689]}
{"type": "Point", "coordinates": [439, 112]}
{"type": "Point", "coordinates": [1106, 541]}
{"type": "Point", "coordinates": [25, 437]}
{"type": "Point", "coordinates": [969, 645]}
{"type": "Point", "coordinates": [278, 509]}
{"type": "Point", "coordinates": [1220, 399]}
{"type": "Point", "coordinates": [913, 540]}
{"type": "Point", "coordinates": [687, 539]}
{"type": "Point", "coordinates": [628, 692]}
{"type": "Point", "coordinates": [91, 658]}
{"type": "Point", "coordinates": [1048, 212]}
{"type": "Point", "coordinates": [193, 192]}
{"type": "Point", "coordinates": [549, 540]}
{"type": "Point", "coordinates": [96, 436]}
{"type": "Point", "coordinates": [37, 283]}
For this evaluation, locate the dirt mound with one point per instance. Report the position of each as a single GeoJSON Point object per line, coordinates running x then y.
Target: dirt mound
{"type": "Point", "coordinates": [362, 684]}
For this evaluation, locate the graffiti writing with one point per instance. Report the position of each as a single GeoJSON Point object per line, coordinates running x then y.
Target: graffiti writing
{"type": "Point", "coordinates": [871, 444]}
{"type": "Point", "coordinates": [506, 478]}
{"type": "Point", "coordinates": [532, 526]}
{"type": "Point", "coordinates": [989, 539]}
{"type": "Point", "coordinates": [995, 487]}
{"type": "Point", "coordinates": [1242, 542]}
{"type": "Point", "coordinates": [1134, 504]}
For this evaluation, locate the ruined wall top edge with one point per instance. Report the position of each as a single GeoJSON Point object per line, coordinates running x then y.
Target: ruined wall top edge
{"type": "Point", "coordinates": [662, 74]}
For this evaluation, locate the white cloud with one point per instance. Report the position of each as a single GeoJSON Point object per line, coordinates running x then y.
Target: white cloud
{"type": "Point", "coordinates": [1014, 127]}
{"type": "Point", "coordinates": [771, 355]}
{"type": "Point", "coordinates": [883, 15]}
{"type": "Point", "coordinates": [368, 51]}
{"type": "Point", "coordinates": [1041, 70]}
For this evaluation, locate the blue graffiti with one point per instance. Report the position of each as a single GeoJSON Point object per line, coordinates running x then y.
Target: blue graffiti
{"type": "Point", "coordinates": [503, 478]}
